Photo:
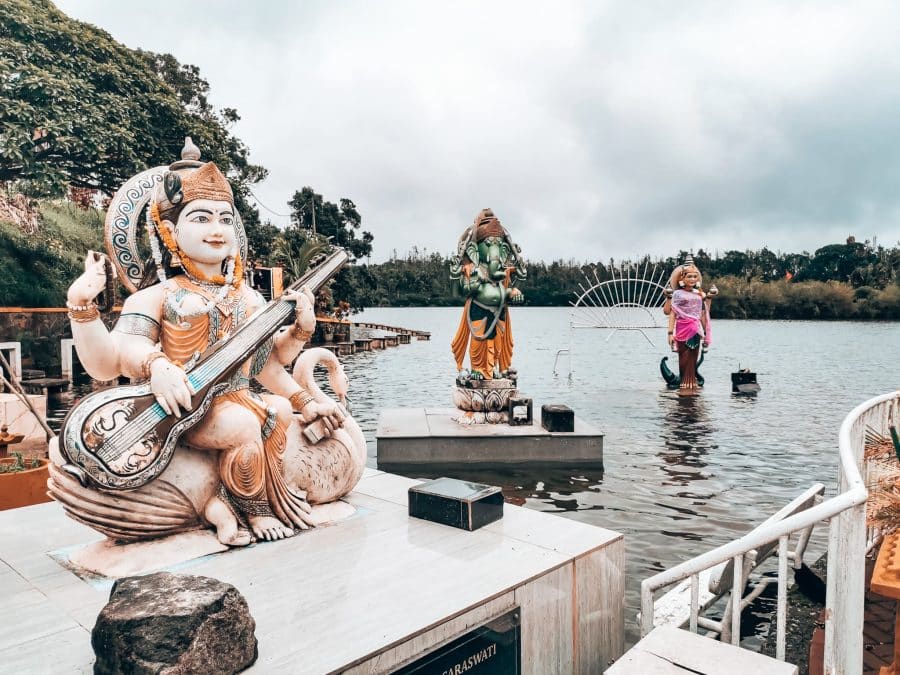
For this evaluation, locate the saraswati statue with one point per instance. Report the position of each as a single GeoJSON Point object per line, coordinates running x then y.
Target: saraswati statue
{"type": "Point", "coordinates": [487, 266]}
{"type": "Point", "coordinates": [190, 445]}
{"type": "Point", "coordinates": [690, 329]}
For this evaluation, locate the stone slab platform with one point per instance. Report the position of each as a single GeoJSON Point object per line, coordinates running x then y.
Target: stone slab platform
{"type": "Point", "coordinates": [365, 595]}
{"type": "Point", "coordinates": [417, 437]}
{"type": "Point", "coordinates": [673, 651]}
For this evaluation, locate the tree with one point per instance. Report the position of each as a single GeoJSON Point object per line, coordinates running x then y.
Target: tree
{"type": "Point", "coordinates": [81, 109]}
{"type": "Point", "coordinates": [261, 242]}
{"type": "Point", "coordinates": [838, 261]}
{"type": "Point", "coordinates": [338, 224]}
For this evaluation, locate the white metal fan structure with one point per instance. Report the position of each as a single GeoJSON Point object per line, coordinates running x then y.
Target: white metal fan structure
{"type": "Point", "coordinates": [630, 300]}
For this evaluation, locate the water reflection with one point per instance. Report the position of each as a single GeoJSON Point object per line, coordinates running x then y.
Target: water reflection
{"type": "Point", "coordinates": [560, 489]}
{"type": "Point", "coordinates": [687, 437]}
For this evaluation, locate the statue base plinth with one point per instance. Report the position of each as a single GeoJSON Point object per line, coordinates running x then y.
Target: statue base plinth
{"type": "Point", "coordinates": [372, 593]}
{"type": "Point", "coordinates": [415, 438]}
{"type": "Point", "coordinates": [484, 401]}
{"type": "Point", "coordinates": [112, 560]}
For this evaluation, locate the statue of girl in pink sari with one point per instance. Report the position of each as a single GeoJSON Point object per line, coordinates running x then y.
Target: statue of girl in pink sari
{"type": "Point", "coordinates": [690, 330]}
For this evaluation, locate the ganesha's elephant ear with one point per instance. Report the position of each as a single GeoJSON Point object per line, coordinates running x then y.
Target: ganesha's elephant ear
{"type": "Point", "coordinates": [472, 252]}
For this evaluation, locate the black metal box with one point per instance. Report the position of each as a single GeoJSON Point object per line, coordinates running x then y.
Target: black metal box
{"type": "Point", "coordinates": [556, 417]}
{"type": "Point", "coordinates": [520, 411]}
{"type": "Point", "coordinates": [459, 503]}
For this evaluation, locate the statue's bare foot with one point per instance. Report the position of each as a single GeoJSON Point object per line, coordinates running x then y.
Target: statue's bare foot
{"type": "Point", "coordinates": [227, 530]}
{"type": "Point", "coordinates": [269, 528]}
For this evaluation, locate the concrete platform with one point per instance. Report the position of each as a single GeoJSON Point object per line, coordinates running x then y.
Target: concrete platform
{"type": "Point", "coordinates": [366, 595]}
{"type": "Point", "coordinates": [409, 438]}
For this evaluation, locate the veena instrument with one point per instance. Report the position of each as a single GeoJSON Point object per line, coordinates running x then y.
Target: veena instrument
{"type": "Point", "coordinates": [120, 438]}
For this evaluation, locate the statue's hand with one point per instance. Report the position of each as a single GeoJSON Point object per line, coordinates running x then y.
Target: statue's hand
{"type": "Point", "coordinates": [169, 384]}
{"type": "Point", "coordinates": [329, 412]}
{"type": "Point", "coordinates": [305, 318]}
{"type": "Point", "coordinates": [90, 284]}
{"type": "Point", "coordinates": [516, 296]}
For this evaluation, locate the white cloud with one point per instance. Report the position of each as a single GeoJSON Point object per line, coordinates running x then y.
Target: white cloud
{"type": "Point", "coordinates": [593, 130]}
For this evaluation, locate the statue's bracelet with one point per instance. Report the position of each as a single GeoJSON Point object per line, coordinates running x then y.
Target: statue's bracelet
{"type": "Point", "coordinates": [299, 334]}
{"type": "Point", "coordinates": [299, 400]}
{"type": "Point", "coordinates": [151, 357]}
{"type": "Point", "coordinates": [83, 313]}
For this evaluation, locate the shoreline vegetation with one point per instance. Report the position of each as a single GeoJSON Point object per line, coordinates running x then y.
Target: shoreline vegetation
{"type": "Point", "coordinates": [850, 281]}
{"type": "Point", "coordinates": [78, 125]}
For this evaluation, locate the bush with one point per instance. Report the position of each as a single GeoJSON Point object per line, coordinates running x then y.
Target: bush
{"type": "Point", "coordinates": [36, 270]}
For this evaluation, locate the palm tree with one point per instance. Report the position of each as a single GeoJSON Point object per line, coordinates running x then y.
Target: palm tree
{"type": "Point", "coordinates": [296, 254]}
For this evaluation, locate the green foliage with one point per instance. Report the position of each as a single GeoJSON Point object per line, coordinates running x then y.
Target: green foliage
{"type": "Point", "coordinates": [336, 223]}
{"type": "Point", "coordinates": [19, 464]}
{"type": "Point", "coordinates": [37, 269]}
{"type": "Point", "coordinates": [81, 109]}
{"type": "Point", "coordinates": [783, 299]}
{"type": "Point", "coordinates": [295, 249]}
{"type": "Point", "coordinates": [758, 284]}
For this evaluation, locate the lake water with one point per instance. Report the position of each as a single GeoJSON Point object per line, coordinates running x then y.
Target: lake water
{"type": "Point", "coordinates": [682, 475]}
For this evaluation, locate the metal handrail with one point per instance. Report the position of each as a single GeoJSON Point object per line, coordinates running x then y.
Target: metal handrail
{"type": "Point", "coordinates": [846, 549]}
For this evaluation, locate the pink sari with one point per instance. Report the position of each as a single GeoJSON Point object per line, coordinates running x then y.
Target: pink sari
{"type": "Point", "coordinates": [689, 310]}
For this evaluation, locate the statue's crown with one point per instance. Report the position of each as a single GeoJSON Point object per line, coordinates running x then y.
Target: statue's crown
{"type": "Point", "coordinates": [487, 225]}
{"type": "Point", "coordinates": [207, 182]}
{"type": "Point", "coordinates": [189, 179]}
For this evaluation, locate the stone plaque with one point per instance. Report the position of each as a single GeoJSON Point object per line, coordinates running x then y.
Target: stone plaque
{"type": "Point", "coordinates": [459, 503]}
{"type": "Point", "coordinates": [494, 647]}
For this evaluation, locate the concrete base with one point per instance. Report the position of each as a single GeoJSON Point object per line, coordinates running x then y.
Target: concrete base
{"type": "Point", "coordinates": [672, 651]}
{"type": "Point", "coordinates": [105, 558]}
{"type": "Point", "coordinates": [415, 437]}
{"type": "Point", "coordinates": [366, 595]}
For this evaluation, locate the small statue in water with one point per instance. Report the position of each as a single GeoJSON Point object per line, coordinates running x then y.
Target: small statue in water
{"type": "Point", "coordinates": [244, 468]}
{"type": "Point", "coordinates": [487, 266]}
{"type": "Point", "coordinates": [690, 332]}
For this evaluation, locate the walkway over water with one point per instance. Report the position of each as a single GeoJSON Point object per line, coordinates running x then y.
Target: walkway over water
{"type": "Point", "coordinates": [420, 334]}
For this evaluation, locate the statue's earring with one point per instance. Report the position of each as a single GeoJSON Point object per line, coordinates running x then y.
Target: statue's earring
{"type": "Point", "coordinates": [167, 234]}
{"type": "Point", "coordinates": [681, 283]}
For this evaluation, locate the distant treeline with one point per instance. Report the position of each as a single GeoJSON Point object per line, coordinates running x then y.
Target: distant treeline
{"type": "Point", "coordinates": [841, 281]}
{"type": "Point", "coordinates": [854, 280]}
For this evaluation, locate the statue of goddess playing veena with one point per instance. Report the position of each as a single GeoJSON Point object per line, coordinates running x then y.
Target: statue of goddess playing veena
{"type": "Point", "coordinates": [193, 335]}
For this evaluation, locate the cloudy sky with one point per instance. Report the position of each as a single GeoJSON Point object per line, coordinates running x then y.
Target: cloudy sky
{"type": "Point", "coordinates": [594, 130]}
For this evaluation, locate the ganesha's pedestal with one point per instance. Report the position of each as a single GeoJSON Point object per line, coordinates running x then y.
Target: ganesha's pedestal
{"type": "Point", "coordinates": [432, 439]}
{"type": "Point", "coordinates": [484, 401]}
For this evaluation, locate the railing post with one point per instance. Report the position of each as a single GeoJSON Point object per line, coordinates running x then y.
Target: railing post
{"type": "Point", "coordinates": [646, 609]}
{"type": "Point", "coordinates": [781, 620]}
{"type": "Point", "coordinates": [846, 591]}
{"type": "Point", "coordinates": [695, 601]}
{"type": "Point", "coordinates": [737, 594]}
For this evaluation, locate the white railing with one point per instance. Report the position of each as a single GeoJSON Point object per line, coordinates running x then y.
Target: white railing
{"type": "Point", "coordinates": [847, 544]}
